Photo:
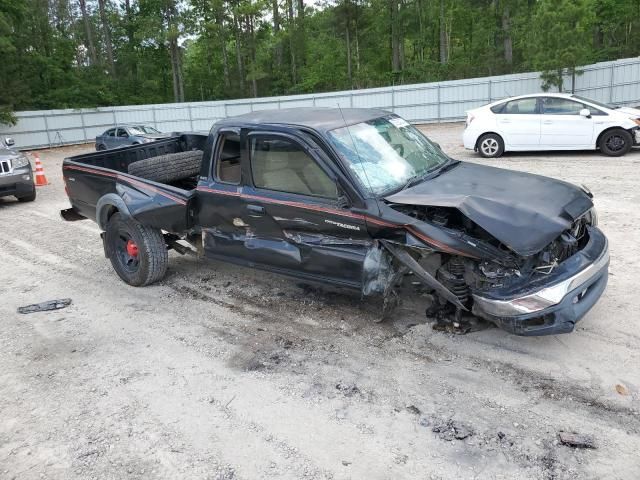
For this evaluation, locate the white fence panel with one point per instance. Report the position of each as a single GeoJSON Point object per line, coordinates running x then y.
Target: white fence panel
{"type": "Point", "coordinates": [616, 82]}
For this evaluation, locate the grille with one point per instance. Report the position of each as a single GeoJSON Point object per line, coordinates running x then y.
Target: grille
{"type": "Point", "coordinates": [5, 166]}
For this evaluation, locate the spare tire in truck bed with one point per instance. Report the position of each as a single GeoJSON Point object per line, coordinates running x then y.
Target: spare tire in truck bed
{"type": "Point", "coordinates": [168, 168]}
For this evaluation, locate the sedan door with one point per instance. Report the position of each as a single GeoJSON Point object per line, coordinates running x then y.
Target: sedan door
{"type": "Point", "coordinates": [518, 122]}
{"type": "Point", "coordinates": [122, 137]}
{"type": "Point", "coordinates": [562, 125]}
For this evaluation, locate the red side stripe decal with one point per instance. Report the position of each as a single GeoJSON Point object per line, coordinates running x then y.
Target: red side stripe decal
{"type": "Point", "coordinates": [132, 181]}
{"type": "Point", "coordinates": [332, 211]}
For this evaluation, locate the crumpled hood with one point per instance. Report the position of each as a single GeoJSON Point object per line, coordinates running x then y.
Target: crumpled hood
{"type": "Point", "coordinates": [526, 212]}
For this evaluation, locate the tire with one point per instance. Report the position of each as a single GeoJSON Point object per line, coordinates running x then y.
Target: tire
{"type": "Point", "coordinates": [490, 145]}
{"type": "Point", "coordinates": [28, 198]}
{"type": "Point", "coordinates": [138, 253]}
{"type": "Point", "coordinates": [615, 142]}
{"type": "Point", "coordinates": [168, 168]}
{"type": "Point", "coordinates": [101, 148]}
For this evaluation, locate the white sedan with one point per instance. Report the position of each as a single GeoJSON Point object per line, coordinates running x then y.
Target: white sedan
{"type": "Point", "coordinates": [551, 121]}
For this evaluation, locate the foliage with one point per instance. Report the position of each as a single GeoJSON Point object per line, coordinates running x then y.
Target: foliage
{"type": "Point", "coordinates": [88, 53]}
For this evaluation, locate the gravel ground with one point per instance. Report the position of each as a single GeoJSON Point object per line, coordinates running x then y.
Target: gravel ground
{"type": "Point", "coordinates": [220, 372]}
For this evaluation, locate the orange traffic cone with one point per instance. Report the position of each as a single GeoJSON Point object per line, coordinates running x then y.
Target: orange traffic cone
{"type": "Point", "coordinates": [40, 177]}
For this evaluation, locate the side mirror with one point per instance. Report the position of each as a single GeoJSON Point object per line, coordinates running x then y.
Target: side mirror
{"type": "Point", "coordinates": [9, 142]}
{"type": "Point", "coordinates": [585, 113]}
{"type": "Point", "coordinates": [437, 145]}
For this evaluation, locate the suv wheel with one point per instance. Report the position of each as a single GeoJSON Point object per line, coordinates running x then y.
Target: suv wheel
{"type": "Point", "coordinates": [615, 143]}
{"type": "Point", "coordinates": [138, 253]}
{"type": "Point", "coordinates": [491, 145]}
{"type": "Point", "coordinates": [28, 198]}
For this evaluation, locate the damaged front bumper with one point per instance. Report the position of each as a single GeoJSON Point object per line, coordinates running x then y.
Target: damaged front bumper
{"type": "Point", "coordinates": [554, 303]}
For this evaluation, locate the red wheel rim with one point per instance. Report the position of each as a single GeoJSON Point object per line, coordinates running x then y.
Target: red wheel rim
{"type": "Point", "coordinates": [132, 248]}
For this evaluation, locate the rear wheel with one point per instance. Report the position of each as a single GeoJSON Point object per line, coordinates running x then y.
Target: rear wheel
{"type": "Point", "coordinates": [101, 147]}
{"type": "Point", "coordinates": [491, 145]}
{"type": "Point", "coordinates": [615, 143]}
{"type": "Point", "coordinates": [138, 253]}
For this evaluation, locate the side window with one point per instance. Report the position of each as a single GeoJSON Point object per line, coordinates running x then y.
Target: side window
{"type": "Point", "coordinates": [560, 106]}
{"type": "Point", "coordinates": [110, 133]}
{"type": "Point", "coordinates": [498, 108]}
{"type": "Point", "coordinates": [122, 133]}
{"type": "Point", "coordinates": [522, 106]}
{"type": "Point", "coordinates": [228, 159]}
{"type": "Point", "coordinates": [280, 164]}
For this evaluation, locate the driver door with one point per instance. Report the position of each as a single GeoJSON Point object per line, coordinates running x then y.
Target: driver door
{"type": "Point", "coordinates": [289, 216]}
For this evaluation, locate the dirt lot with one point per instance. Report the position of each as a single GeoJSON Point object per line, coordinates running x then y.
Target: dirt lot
{"type": "Point", "coordinates": [220, 372]}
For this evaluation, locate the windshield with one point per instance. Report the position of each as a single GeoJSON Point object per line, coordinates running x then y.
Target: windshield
{"type": "Point", "coordinates": [599, 104]}
{"type": "Point", "coordinates": [386, 153]}
{"type": "Point", "coordinates": [142, 130]}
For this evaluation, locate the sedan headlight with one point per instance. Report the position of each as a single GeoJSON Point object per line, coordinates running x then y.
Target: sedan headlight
{"type": "Point", "coordinates": [21, 161]}
{"type": "Point", "coordinates": [592, 217]}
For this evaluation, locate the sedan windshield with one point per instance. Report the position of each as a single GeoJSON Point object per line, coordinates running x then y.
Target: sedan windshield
{"type": "Point", "coordinates": [387, 153]}
{"type": "Point", "coordinates": [142, 130]}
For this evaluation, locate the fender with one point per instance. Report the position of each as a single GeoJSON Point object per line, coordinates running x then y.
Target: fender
{"type": "Point", "coordinates": [106, 204]}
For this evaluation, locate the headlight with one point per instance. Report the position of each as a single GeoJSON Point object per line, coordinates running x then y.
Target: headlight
{"type": "Point", "coordinates": [21, 161]}
{"type": "Point", "coordinates": [593, 217]}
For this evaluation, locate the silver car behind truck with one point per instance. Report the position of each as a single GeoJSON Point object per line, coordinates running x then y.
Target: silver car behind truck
{"type": "Point", "coordinates": [125, 135]}
{"type": "Point", "coordinates": [16, 175]}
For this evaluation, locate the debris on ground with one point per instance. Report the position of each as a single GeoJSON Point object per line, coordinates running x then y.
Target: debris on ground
{"type": "Point", "coordinates": [575, 440]}
{"type": "Point", "coordinates": [45, 306]}
{"type": "Point", "coordinates": [347, 389]}
{"type": "Point", "coordinates": [622, 389]}
{"type": "Point", "coordinates": [413, 409]}
{"type": "Point", "coordinates": [452, 430]}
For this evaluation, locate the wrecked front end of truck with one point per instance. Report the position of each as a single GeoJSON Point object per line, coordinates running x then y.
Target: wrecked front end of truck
{"type": "Point", "coordinates": [544, 293]}
{"type": "Point", "coordinates": [519, 250]}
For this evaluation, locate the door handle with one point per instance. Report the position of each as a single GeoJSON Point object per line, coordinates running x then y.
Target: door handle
{"type": "Point", "coordinates": [256, 210]}
{"type": "Point", "coordinates": [548, 122]}
{"type": "Point", "coordinates": [505, 121]}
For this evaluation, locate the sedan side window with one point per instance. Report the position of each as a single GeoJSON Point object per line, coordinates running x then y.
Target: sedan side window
{"type": "Point", "coordinates": [122, 133]}
{"type": "Point", "coordinates": [110, 133]}
{"type": "Point", "coordinates": [560, 106]}
{"type": "Point", "coordinates": [282, 165]}
{"type": "Point", "coordinates": [523, 106]}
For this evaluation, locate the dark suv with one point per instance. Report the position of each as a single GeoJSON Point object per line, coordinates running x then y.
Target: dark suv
{"type": "Point", "coordinates": [16, 175]}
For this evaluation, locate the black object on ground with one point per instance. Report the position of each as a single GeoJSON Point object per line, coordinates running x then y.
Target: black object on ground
{"type": "Point", "coordinates": [45, 306]}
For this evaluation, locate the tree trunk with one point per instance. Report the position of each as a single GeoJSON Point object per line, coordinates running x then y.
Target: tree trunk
{"type": "Point", "coordinates": [221, 38]}
{"type": "Point", "coordinates": [292, 45]}
{"type": "Point", "coordinates": [107, 36]}
{"type": "Point", "coordinates": [444, 50]}
{"type": "Point", "coordinates": [395, 43]}
{"type": "Point", "coordinates": [348, 42]}
{"type": "Point", "coordinates": [87, 30]}
{"type": "Point", "coordinates": [276, 32]}
{"type": "Point", "coordinates": [506, 32]}
{"type": "Point", "coordinates": [239, 60]}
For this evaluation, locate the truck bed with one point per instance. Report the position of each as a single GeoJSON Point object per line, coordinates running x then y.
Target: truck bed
{"type": "Point", "coordinates": [101, 178]}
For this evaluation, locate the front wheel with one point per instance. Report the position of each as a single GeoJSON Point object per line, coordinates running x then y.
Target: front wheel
{"type": "Point", "coordinates": [491, 145]}
{"type": "Point", "coordinates": [28, 198]}
{"type": "Point", "coordinates": [615, 143]}
{"type": "Point", "coordinates": [138, 253]}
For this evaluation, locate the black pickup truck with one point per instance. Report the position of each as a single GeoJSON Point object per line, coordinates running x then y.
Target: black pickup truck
{"type": "Point", "coordinates": [356, 198]}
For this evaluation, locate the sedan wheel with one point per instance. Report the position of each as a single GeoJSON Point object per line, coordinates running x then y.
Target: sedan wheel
{"type": "Point", "coordinates": [491, 146]}
{"type": "Point", "coordinates": [615, 143]}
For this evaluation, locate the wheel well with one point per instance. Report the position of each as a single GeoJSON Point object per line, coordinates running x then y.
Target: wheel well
{"type": "Point", "coordinates": [107, 213]}
{"type": "Point", "coordinates": [482, 135]}
{"type": "Point", "coordinates": [608, 130]}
